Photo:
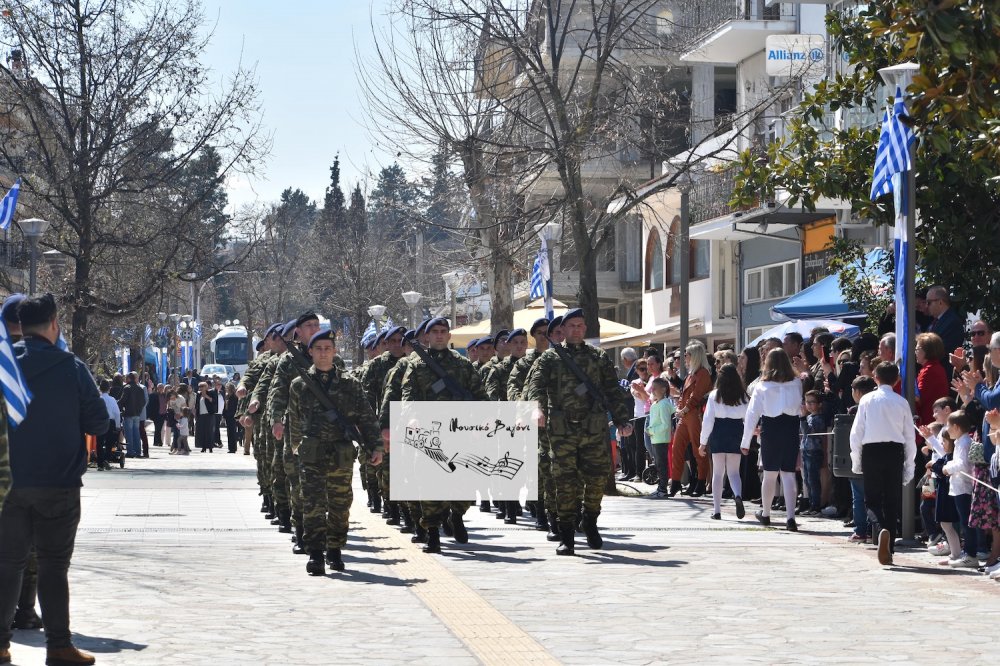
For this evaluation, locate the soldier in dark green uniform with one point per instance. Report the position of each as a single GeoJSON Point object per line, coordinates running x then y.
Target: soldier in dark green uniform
{"type": "Point", "coordinates": [554, 336]}
{"type": "Point", "coordinates": [515, 387]}
{"type": "Point", "coordinates": [577, 427]}
{"type": "Point", "coordinates": [325, 453]}
{"type": "Point", "coordinates": [418, 385]}
{"type": "Point", "coordinates": [513, 347]}
{"type": "Point", "coordinates": [373, 383]}
{"type": "Point", "coordinates": [486, 353]}
{"type": "Point", "coordinates": [393, 392]}
{"type": "Point", "coordinates": [286, 472]}
{"type": "Point", "coordinates": [251, 422]}
{"type": "Point", "coordinates": [369, 476]}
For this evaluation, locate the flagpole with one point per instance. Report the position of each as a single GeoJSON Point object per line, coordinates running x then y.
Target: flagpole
{"type": "Point", "coordinates": [549, 310]}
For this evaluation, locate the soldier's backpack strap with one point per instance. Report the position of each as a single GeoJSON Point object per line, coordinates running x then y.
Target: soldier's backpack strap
{"type": "Point", "coordinates": [445, 381]}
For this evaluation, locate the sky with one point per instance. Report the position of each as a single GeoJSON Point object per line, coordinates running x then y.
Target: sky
{"type": "Point", "coordinates": [304, 55]}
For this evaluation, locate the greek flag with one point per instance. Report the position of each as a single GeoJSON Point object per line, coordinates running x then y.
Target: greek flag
{"type": "Point", "coordinates": [893, 159]}
{"type": "Point", "coordinates": [147, 335]}
{"type": "Point", "coordinates": [894, 145]}
{"type": "Point", "coordinates": [15, 389]}
{"type": "Point", "coordinates": [196, 331]}
{"type": "Point", "coordinates": [539, 274]}
{"type": "Point", "coordinates": [9, 205]}
{"type": "Point", "coordinates": [370, 333]}
{"type": "Point", "coordinates": [61, 342]}
{"type": "Point", "coordinates": [389, 325]}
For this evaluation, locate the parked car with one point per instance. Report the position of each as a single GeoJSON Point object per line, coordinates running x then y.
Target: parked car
{"type": "Point", "coordinates": [216, 370]}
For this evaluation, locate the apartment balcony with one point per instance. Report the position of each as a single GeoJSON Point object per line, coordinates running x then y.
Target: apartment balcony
{"type": "Point", "coordinates": [727, 32]}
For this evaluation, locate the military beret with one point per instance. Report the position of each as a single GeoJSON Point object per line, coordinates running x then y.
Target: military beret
{"type": "Point", "coordinates": [422, 326]}
{"type": "Point", "coordinates": [488, 340]}
{"type": "Point", "coordinates": [306, 316]}
{"type": "Point", "coordinates": [289, 328]}
{"type": "Point", "coordinates": [410, 335]}
{"type": "Point", "coordinates": [368, 342]}
{"type": "Point", "coordinates": [398, 329]}
{"type": "Point", "coordinates": [554, 324]}
{"type": "Point", "coordinates": [516, 332]}
{"type": "Point", "coordinates": [572, 314]}
{"type": "Point", "coordinates": [259, 345]}
{"type": "Point", "coordinates": [322, 334]}
{"type": "Point", "coordinates": [380, 338]}
{"type": "Point", "coordinates": [438, 321]}
{"type": "Point", "coordinates": [10, 308]}
{"type": "Point", "coordinates": [274, 329]}
{"type": "Point", "coordinates": [472, 343]}
{"type": "Point", "coordinates": [541, 322]}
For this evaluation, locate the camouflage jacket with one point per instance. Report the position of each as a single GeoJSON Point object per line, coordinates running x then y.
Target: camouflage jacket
{"type": "Point", "coordinates": [393, 390]}
{"type": "Point", "coordinates": [5, 477]}
{"type": "Point", "coordinates": [419, 378]}
{"type": "Point", "coordinates": [284, 372]}
{"type": "Point", "coordinates": [250, 379]}
{"type": "Point", "coordinates": [373, 378]}
{"type": "Point", "coordinates": [260, 391]}
{"type": "Point", "coordinates": [485, 367]}
{"type": "Point", "coordinates": [307, 415]}
{"type": "Point", "coordinates": [496, 381]}
{"type": "Point", "coordinates": [553, 385]}
{"type": "Point", "coordinates": [519, 374]}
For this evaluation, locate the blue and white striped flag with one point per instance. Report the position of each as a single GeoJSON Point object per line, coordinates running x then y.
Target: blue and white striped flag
{"type": "Point", "coordinates": [370, 333]}
{"type": "Point", "coordinates": [147, 335]}
{"type": "Point", "coordinates": [389, 325]}
{"type": "Point", "coordinates": [61, 342]}
{"type": "Point", "coordinates": [892, 160]}
{"type": "Point", "coordinates": [9, 205]}
{"type": "Point", "coordinates": [539, 274]}
{"type": "Point", "coordinates": [196, 331]}
{"type": "Point", "coordinates": [15, 389]}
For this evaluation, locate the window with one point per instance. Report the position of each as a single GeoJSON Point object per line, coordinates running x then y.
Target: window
{"type": "Point", "coordinates": [699, 256]}
{"type": "Point", "coordinates": [654, 261]}
{"type": "Point", "coordinates": [768, 283]}
{"type": "Point", "coordinates": [752, 333]}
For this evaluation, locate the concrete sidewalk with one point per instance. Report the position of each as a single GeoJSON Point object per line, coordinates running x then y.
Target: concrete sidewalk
{"type": "Point", "coordinates": [176, 565]}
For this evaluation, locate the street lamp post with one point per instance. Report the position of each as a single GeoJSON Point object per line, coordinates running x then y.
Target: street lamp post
{"type": "Point", "coordinates": [550, 234]}
{"type": "Point", "coordinates": [453, 280]}
{"type": "Point", "coordinates": [684, 187]}
{"type": "Point", "coordinates": [901, 75]}
{"type": "Point", "coordinates": [412, 299]}
{"type": "Point", "coordinates": [33, 229]}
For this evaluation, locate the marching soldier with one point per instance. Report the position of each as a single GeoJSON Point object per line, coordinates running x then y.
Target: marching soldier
{"type": "Point", "coordinates": [393, 392]}
{"type": "Point", "coordinates": [373, 383]}
{"type": "Point", "coordinates": [418, 383]}
{"type": "Point", "coordinates": [472, 352]}
{"type": "Point", "coordinates": [286, 472]}
{"type": "Point", "coordinates": [577, 390]}
{"type": "Point", "coordinates": [325, 451]}
{"type": "Point", "coordinates": [369, 475]}
{"type": "Point", "coordinates": [251, 422]}
{"type": "Point", "coordinates": [486, 352]}
{"type": "Point", "coordinates": [515, 387]}
{"type": "Point", "coordinates": [513, 348]}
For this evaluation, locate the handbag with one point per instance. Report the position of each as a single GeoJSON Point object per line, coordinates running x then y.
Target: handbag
{"type": "Point", "coordinates": [977, 455]}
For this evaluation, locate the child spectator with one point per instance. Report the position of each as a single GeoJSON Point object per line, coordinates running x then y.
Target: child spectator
{"type": "Point", "coordinates": [812, 425]}
{"type": "Point", "coordinates": [946, 514]}
{"type": "Point", "coordinates": [183, 430]}
{"type": "Point", "coordinates": [110, 438]}
{"type": "Point", "coordinates": [721, 431]}
{"type": "Point", "coordinates": [960, 489]}
{"type": "Point", "coordinates": [861, 385]}
{"type": "Point", "coordinates": [658, 427]}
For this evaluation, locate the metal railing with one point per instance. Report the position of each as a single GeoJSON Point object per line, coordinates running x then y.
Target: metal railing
{"type": "Point", "coordinates": [700, 19]}
{"type": "Point", "coordinates": [710, 196]}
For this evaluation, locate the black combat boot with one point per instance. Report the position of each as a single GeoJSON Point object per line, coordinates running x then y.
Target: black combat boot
{"type": "Point", "coordinates": [675, 487]}
{"type": "Point", "coordinates": [553, 534]}
{"type": "Point", "coordinates": [385, 508]}
{"type": "Point", "coordinates": [458, 528]}
{"type": "Point", "coordinates": [393, 518]}
{"type": "Point", "coordinates": [484, 506]}
{"type": "Point", "coordinates": [299, 548]}
{"type": "Point", "coordinates": [407, 527]}
{"type": "Point", "coordinates": [263, 504]}
{"type": "Point", "coordinates": [446, 524]}
{"type": "Point", "coordinates": [594, 539]}
{"type": "Point", "coordinates": [285, 521]}
{"type": "Point", "coordinates": [419, 534]}
{"type": "Point", "coordinates": [510, 515]}
{"type": "Point", "coordinates": [334, 560]}
{"type": "Point", "coordinates": [316, 566]}
{"type": "Point", "coordinates": [376, 500]}
{"type": "Point", "coordinates": [433, 541]}
{"type": "Point", "coordinates": [501, 511]}
{"type": "Point", "coordinates": [541, 522]}
{"type": "Point", "coordinates": [269, 514]}
{"type": "Point", "coordinates": [579, 519]}
{"type": "Point", "coordinates": [566, 536]}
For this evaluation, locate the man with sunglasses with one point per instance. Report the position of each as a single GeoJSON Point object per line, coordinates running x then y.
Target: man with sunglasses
{"type": "Point", "coordinates": [946, 322]}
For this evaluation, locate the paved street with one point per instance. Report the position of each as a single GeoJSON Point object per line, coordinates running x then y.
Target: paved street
{"type": "Point", "coordinates": [175, 565]}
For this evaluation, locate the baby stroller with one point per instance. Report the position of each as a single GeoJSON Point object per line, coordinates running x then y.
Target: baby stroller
{"type": "Point", "coordinates": [111, 448]}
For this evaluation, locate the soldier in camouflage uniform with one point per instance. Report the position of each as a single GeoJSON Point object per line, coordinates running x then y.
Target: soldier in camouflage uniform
{"type": "Point", "coordinates": [369, 476]}
{"type": "Point", "coordinates": [417, 386]}
{"type": "Point", "coordinates": [258, 405]}
{"type": "Point", "coordinates": [577, 427]}
{"type": "Point", "coordinates": [251, 422]}
{"type": "Point", "coordinates": [514, 347]}
{"type": "Point", "coordinates": [286, 472]}
{"type": "Point", "coordinates": [485, 351]}
{"type": "Point", "coordinates": [325, 453]}
{"type": "Point", "coordinates": [515, 387]}
{"type": "Point", "coordinates": [393, 392]}
{"type": "Point", "coordinates": [373, 383]}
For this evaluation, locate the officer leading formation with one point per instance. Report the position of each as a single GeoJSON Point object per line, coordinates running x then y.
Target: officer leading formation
{"type": "Point", "coordinates": [311, 420]}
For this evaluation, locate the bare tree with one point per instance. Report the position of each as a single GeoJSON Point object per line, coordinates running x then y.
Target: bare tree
{"type": "Point", "coordinates": [114, 108]}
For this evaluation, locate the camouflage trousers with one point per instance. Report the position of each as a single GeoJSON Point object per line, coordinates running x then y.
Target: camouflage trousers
{"type": "Point", "coordinates": [279, 483]}
{"type": "Point", "coordinates": [369, 473]}
{"type": "Point", "coordinates": [291, 465]}
{"type": "Point", "coordinates": [260, 457]}
{"type": "Point", "coordinates": [546, 484]}
{"type": "Point", "coordinates": [580, 460]}
{"type": "Point", "coordinates": [326, 469]}
{"type": "Point", "coordinates": [382, 472]}
{"type": "Point", "coordinates": [433, 513]}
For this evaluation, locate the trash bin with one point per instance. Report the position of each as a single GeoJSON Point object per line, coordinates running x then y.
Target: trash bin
{"type": "Point", "coordinates": [840, 452]}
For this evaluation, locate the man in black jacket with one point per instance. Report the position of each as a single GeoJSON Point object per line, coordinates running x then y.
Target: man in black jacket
{"type": "Point", "coordinates": [132, 402]}
{"type": "Point", "coordinates": [48, 456]}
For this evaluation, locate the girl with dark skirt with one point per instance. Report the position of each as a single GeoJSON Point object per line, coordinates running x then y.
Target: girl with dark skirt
{"type": "Point", "coordinates": [776, 404]}
{"type": "Point", "coordinates": [721, 429]}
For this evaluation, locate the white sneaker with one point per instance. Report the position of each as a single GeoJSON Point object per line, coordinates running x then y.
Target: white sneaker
{"type": "Point", "coordinates": [939, 549]}
{"type": "Point", "coordinates": [991, 569]}
{"type": "Point", "coordinates": [995, 575]}
{"type": "Point", "coordinates": [964, 562]}
{"type": "Point", "coordinates": [829, 512]}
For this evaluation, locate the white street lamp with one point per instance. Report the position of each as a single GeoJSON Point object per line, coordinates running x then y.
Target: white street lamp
{"type": "Point", "coordinates": [412, 298]}
{"type": "Point", "coordinates": [453, 280]}
{"type": "Point", "coordinates": [33, 228]}
{"type": "Point", "coordinates": [376, 311]}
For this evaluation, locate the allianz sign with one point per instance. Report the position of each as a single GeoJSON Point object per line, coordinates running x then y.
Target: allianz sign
{"type": "Point", "coordinates": [795, 55]}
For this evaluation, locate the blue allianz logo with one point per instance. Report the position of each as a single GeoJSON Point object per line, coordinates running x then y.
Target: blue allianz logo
{"type": "Point", "coordinates": [816, 55]}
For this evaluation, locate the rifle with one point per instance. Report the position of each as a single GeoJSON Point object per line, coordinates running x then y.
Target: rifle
{"type": "Point", "coordinates": [351, 430]}
{"type": "Point", "coordinates": [585, 387]}
{"type": "Point", "coordinates": [445, 381]}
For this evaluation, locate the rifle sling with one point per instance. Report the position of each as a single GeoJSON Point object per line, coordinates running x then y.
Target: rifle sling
{"type": "Point", "coordinates": [351, 430]}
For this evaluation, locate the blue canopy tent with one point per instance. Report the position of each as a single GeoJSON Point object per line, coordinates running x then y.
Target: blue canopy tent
{"type": "Point", "coordinates": [824, 299]}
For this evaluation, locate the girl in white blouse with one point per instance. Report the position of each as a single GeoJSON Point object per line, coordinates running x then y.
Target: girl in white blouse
{"type": "Point", "coordinates": [776, 404]}
{"type": "Point", "coordinates": [721, 429]}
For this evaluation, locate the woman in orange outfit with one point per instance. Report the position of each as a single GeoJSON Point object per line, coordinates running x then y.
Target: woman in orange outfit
{"type": "Point", "coordinates": [697, 386]}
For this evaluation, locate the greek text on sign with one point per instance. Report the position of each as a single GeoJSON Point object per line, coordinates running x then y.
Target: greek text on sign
{"type": "Point", "coordinates": [795, 55]}
{"type": "Point", "coordinates": [452, 450]}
